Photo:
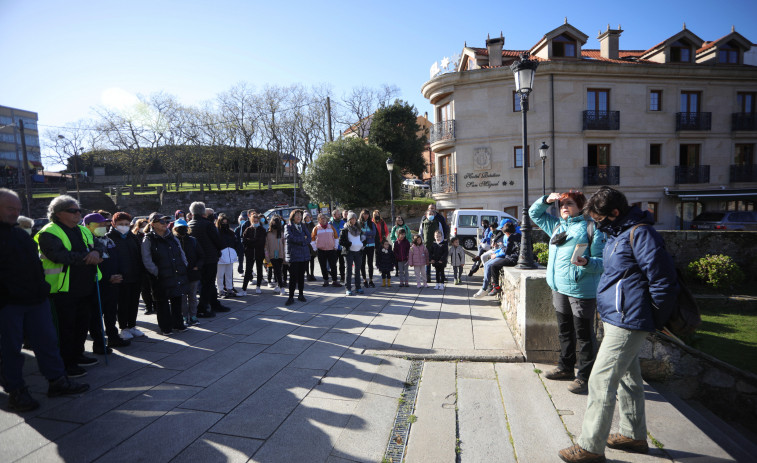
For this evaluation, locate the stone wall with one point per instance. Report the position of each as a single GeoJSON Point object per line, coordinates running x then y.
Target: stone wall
{"type": "Point", "coordinates": [688, 246]}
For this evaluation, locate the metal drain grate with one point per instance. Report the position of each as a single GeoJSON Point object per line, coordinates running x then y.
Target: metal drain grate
{"type": "Point", "coordinates": [395, 450]}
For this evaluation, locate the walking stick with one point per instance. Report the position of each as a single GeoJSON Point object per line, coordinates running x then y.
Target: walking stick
{"type": "Point", "coordinates": [102, 325]}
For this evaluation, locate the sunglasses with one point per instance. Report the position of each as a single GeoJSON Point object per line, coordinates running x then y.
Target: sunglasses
{"type": "Point", "coordinates": [72, 211]}
{"type": "Point", "coordinates": [161, 221]}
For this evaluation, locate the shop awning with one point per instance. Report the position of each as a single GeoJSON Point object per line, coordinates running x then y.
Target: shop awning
{"type": "Point", "coordinates": [713, 193]}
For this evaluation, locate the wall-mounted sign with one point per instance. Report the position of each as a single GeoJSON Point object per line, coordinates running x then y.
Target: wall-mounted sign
{"type": "Point", "coordinates": [486, 180]}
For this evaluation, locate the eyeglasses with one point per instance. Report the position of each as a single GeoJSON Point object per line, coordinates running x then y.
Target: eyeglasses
{"type": "Point", "coordinates": [72, 211]}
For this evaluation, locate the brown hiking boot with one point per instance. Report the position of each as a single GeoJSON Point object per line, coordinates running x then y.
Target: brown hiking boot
{"type": "Point", "coordinates": [620, 442]}
{"type": "Point", "coordinates": [559, 374]}
{"type": "Point", "coordinates": [576, 454]}
{"type": "Point", "coordinates": [578, 386]}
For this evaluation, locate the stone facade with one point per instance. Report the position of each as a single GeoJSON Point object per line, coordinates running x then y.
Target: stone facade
{"type": "Point", "coordinates": [608, 120]}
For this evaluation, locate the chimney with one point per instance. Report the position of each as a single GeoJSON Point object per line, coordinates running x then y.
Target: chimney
{"type": "Point", "coordinates": [495, 50]}
{"type": "Point", "coordinates": [609, 42]}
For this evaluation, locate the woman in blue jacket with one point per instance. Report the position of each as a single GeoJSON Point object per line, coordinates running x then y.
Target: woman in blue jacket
{"type": "Point", "coordinates": [573, 283]}
{"type": "Point", "coordinates": [297, 241]}
{"type": "Point", "coordinates": [368, 228]}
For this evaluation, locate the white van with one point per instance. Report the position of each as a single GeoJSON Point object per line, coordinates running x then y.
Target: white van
{"type": "Point", "coordinates": [466, 224]}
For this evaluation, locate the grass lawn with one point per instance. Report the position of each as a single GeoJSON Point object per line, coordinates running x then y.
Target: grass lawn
{"type": "Point", "coordinates": [728, 332]}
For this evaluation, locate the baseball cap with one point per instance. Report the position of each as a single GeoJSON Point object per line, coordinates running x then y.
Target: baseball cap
{"type": "Point", "coordinates": [180, 223]}
{"type": "Point", "coordinates": [94, 217]}
{"type": "Point", "coordinates": [157, 216]}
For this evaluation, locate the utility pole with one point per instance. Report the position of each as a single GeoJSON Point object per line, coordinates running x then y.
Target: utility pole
{"type": "Point", "coordinates": [328, 113]}
{"type": "Point", "coordinates": [27, 179]}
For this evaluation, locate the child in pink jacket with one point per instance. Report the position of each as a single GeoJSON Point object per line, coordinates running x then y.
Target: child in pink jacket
{"type": "Point", "coordinates": [418, 259]}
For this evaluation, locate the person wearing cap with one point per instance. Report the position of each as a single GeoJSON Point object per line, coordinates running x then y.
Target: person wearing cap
{"type": "Point", "coordinates": [129, 258]}
{"type": "Point", "coordinates": [25, 313]}
{"type": "Point", "coordinates": [108, 287]}
{"type": "Point", "coordinates": [179, 214]}
{"type": "Point", "coordinates": [69, 260]}
{"type": "Point", "coordinates": [193, 252]}
{"type": "Point", "coordinates": [165, 261]}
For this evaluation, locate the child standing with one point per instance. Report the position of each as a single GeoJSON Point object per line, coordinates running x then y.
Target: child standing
{"type": "Point", "coordinates": [418, 258]}
{"type": "Point", "coordinates": [385, 262]}
{"type": "Point", "coordinates": [401, 254]}
{"type": "Point", "coordinates": [456, 259]}
{"type": "Point", "coordinates": [439, 253]}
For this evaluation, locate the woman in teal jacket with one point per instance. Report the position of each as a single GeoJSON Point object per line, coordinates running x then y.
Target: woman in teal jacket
{"type": "Point", "coordinates": [573, 284]}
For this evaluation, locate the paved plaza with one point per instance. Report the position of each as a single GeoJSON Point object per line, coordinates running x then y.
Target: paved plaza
{"type": "Point", "coordinates": [322, 381]}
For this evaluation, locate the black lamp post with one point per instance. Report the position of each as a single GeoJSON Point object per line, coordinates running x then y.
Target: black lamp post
{"type": "Point", "coordinates": [543, 155]}
{"type": "Point", "coordinates": [390, 167]}
{"type": "Point", "coordinates": [523, 72]}
{"type": "Point", "coordinates": [76, 166]}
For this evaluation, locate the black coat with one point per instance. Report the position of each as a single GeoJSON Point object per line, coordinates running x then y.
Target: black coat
{"type": "Point", "coordinates": [194, 254]}
{"type": "Point", "coordinates": [439, 253]}
{"type": "Point", "coordinates": [127, 255]}
{"type": "Point", "coordinates": [166, 254]}
{"type": "Point", "coordinates": [253, 239]}
{"type": "Point", "coordinates": [207, 236]}
{"type": "Point", "coordinates": [385, 259]}
{"type": "Point", "coordinates": [22, 280]}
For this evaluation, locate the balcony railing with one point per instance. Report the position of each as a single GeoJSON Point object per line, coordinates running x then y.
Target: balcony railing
{"type": "Point", "coordinates": [605, 175]}
{"type": "Point", "coordinates": [444, 184]}
{"type": "Point", "coordinates": [693, 121]}
{"type": "Point", "coordinates": [441, 131]}
{"type": "Point", "coordinates": [692, 174]}
{"type": "Point", "coordinates": [741, 173]}
{"type": "Point", "coordinates": [743, 121]}
{"type": "Point", "coordinates": [601, 120]}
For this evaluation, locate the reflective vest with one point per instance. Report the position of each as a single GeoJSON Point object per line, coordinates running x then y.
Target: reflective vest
{"type": "Point", "coordinates": [56, 274]}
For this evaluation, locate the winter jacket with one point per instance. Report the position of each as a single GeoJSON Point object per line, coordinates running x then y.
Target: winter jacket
{"type": "Point", "coordinates": [128, 255]}
{"type": "Point", "coordinates": [439, 253]}
{"type": "Point", "coordinates": [207, 236]}
{"type": "Point", "coordinates": [22, 279]}
{"type": "Point", "coordinates": [563, 276]}
{"type": "Point", "coordinates": [382, 231]}
{"type": "Point", "coordinates": [510, 251]}
{"type": "Point", "coordinates": [396, 230]}
{"type": "Point", "coordinates": [111, 264]}
{"type": "Point", "coordinates": [229, 247]}
{"type": "Point", "coordinates": [194, 255]}
{"type": "Point", "coordinates": [385, 260]}
{"type": "Point", "coordinates": [456, 256]}
{"type": "Point", "coordinates": [639, 287]}
{"type": "Point", "coordinates": [166, 262]}
{"type": "Point", "coordinates": [274, 245]}
{"type": "Point", "coordinates": [351, 242]}
{"type": "Point", "coordinates": [418, 255]}
{"type": "Point", "coordinates": [325, 239]}
{"type": "Point", "coordinates": [368, 230]}
{"type": "Point", "coordinates": [338, 226]}
{"type": "Point", "coordinates": [253, 239]}
{"type": "Point", "coordinates": [402, 250]}
{"type": "Point", "coordinates": [297, 243]}
{"type": "Point", "coordinates": [429, 228]}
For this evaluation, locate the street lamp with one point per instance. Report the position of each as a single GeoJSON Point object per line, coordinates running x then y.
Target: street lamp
{"type": "Point", "coordinates": [523, 72]}
{"type": "Point", "coordinates": [543, 155]}
{"type": "Point", "coordinates": [76, 167]}
{"type": "Point", "coordinates": [390, 167]}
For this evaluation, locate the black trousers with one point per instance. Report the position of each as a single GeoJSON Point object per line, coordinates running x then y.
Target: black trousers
{"type": "Point", "coordinates": [276, 265]}
{"type": "Point", "coordinates": [169, 314]}
{"type": "Point", "coordinates": [128, 305]}
{"type": "Point", "coordinates": [146, 293]}
{"type": "Point", "coordinates": [208, 292]}
{"type": "Point", "coordinates": [368, 255]}
{"type": "Point", "coordinates": [439, 268]}
{"type": "Point", "coordinates": [296, 277]}
{"type": "Point", "coordinates": [341, 264]}
{"type": "Point", "coordinates": [73, 316]}
{"type": "Point", "coordinates": [327, 260]}
{"type": "Point", "coordinates": [109, 307]}
{"type": "Point", "coordinates": [256, 257]}
{"type": "Point", "coordinates": [574, 330]}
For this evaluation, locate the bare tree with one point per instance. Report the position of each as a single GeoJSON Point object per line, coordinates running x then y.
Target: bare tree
{"type": "Point", "coordinates": [361, 103]}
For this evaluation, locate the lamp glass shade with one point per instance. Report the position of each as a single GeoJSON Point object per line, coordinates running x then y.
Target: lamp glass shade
{"type": "Point", "coordinates": [523, 72]}
{"type": "Point", "coordinates": [389, 164]}
{"type": "Point", "coordinates": [543, 150]}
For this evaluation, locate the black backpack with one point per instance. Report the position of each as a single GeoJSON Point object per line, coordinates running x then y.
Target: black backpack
{"type": "Point", "coordinates": [686, 316]}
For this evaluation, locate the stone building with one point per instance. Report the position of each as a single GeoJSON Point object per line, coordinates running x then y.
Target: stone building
{"type": "Point", "coordinates": [673, 126]}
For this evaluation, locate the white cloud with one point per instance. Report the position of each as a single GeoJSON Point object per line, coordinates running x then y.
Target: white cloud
{"type": "Point", "coordinates": [118, 98]}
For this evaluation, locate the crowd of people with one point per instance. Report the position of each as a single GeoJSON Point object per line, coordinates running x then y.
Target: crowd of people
{"type": "Point", "coordinates": [83, 275]}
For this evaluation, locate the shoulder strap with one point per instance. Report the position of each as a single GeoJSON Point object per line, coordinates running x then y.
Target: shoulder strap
{"type": "Point", "coordinates": [633, 229]}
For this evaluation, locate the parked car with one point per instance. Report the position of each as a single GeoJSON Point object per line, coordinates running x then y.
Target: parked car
{"type": "Point", "coordinates": [466, 224]}
{"type": "Point", "coordinates": [38, 224]}
{"type": "Point", "coordinates": [725, 220]}
{"type": "Point", "coordinates": [283, 211]}
{"type": "Point", "coordinates": [415, 183]}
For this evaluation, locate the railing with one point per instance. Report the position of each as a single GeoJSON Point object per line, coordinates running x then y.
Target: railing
{"type": "Point", "coordinates": [743, 173]}
{"type": "Point", "coordinates": [606, 175]}
{"type": "Point", "coordinates": [743, 121]}
{"type": "Point", "coordinates": [441, 131]}
{"type": "Point", "coordinates": [444, 184]}
{"type": "Point", "coordinates": [601, 120]}
{"type": "Point", "coordinates": [693, 121]}
{"type": "Point", "coordinates": [692, 174]}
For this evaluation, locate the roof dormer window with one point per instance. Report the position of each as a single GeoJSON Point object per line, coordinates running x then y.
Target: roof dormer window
{"type": "Point", "coordinates": [680, 52]}
{"type": "Point", "coordinates": [728, 53]}
{"type": "Point", "coordinates": [563, 47]}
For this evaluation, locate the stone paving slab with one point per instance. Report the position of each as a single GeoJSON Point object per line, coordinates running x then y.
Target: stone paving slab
{"type": "Point", "coordinates": [219, 448]}
{"type": "Point", "coordinates": [223, 362]}
{"type": "Point", "coordinates": [368, 429]}
{"type": "Point", "coordinates": [484, 434]}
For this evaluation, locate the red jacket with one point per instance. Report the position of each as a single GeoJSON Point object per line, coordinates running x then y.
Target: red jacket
{"type": "Point", "coordinates": [402, 250]}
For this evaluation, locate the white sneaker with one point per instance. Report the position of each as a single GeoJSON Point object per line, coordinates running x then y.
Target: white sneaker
{"type": "Point", "coordinates": [126, 334]}
{"type": "Point", "coordinates": [258, 291]}
{"type": "Point", "coordinates": [441, 285]}
{"type": "Point", "coordinates": [270, 285]}
{"type": "Point", "coordinates": [480, 293]}
{"type": "Point", "coordinates": [136, 333]}
{"type": "Point", "coordinates": [436, 286]}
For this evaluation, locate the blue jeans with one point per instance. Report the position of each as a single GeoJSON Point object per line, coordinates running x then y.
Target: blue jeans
{"type": "Point", "coordinates": [616, 371]}
{"type": "Point", "coordinates": [488, 266]}
{"type": "Point", "coordinates": [354, 257]}
{"type": "Point", "coordinates": [36, 323]}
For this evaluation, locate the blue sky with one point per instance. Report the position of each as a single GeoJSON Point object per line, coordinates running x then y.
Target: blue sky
{"type": "Point", "coordinates": [62, 58]}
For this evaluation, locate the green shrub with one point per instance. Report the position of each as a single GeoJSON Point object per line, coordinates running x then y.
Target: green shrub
{"type": "Point", "coordinates": [716, 271]}
{"type": "Point", "coordinates": [541, 252]}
